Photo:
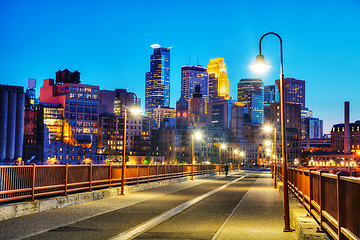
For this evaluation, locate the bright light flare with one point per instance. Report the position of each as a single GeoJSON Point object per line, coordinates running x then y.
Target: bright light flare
{"type": "Point", "coordinates": [135, 110]}
{"type": "Point", "coordinates": [268, 128]}
{"type": "Point", "coordinates": [267, 143]}
{"type": "Point", "coordinates": [223, 146]}
{"type": "Point", "coordinates": [260, 66]}
{"type": "Point", "coordinates": [198, 135]}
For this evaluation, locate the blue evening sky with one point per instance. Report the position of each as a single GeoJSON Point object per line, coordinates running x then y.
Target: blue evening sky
{"type": "Point", "coordinates": [108, 42]}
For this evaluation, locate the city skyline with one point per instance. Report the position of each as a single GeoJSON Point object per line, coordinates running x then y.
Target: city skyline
{"type": "Point", "coordinates": [39, 39]}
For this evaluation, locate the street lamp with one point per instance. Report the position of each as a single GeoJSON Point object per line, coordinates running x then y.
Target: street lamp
{"type": "Point", "coordinates": [260, 66]}
{"type": "Point", "coordinates": [195, 136]}
{"type": "Point", "coordinates": [241, 157]}
{"type": "Point", "coordinates": [134, 110]}
{"type": "Point", "coordinates": [269, 129]}
{"type": "Point", "coordinates": [222, 146]}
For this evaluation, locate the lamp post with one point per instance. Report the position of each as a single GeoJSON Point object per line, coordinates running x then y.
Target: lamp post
{"type": "Point", "coordinates": [222, 146]}
{"type": "Point", "coordinates": [241, 158]}
{"type": "Point", "coordinates": [261, 66]}
{"type": "Point", "coordinates": [123, 178]}
{"type": "Point", "coordinates": [196, 135]}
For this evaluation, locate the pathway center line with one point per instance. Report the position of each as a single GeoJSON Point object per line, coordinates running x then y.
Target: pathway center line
{"type": "Point", "coordinates": [136, 231]}
{"type": "Point", "coordinates": [216, 235]}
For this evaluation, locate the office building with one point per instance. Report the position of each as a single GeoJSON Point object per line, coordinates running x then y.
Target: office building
{"type": "Point", "coordinates": [161, 113]}
{"type": "Point", "coordinates": [157, 85]}
{"type": "Point", "coordinates": [80, 103]}
{"type": "Point", "coordinates": [114, 101]}
{"type": "Point", "coordinates": [219, 113]}
{"type": "Point", "coordinates": [197, 114]}
{"type": "Point", "coordinates": [182, 112]}
{"type": "Point", "coordinates": [12, 103]}
{"type": "Point", "coordinates": [306, 113]}
{"type": "Point", "coordinates": [294, 90]}
{"type": "Point", "coordinates": [191, 76]}
{"type": "Point", "coordinates": [251, 92]}
{"type": "Point", "coordinates": [237, 121]}
{"type": "Point", "coordinates": [271, 94]}
{"type": "Point", "coordinates": [311, 128]}
{"type": "Point", "coordinates": [218, 80]}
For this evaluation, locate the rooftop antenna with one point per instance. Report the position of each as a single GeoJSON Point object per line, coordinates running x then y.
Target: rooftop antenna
{"type": "Point", "coordinates": [197, 61]}
{"type": "Point", "coordinates": [189, 59]}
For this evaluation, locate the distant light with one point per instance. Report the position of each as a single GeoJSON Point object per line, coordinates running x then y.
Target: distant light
{"type": "Point", "coordinates": [268, 128]}
{"type": "Point", "coordinates": [155, 46]}
{"type": "Point", "coordinates": [260, 65]}
{"type": "Point", "coordinates": [197, 135]}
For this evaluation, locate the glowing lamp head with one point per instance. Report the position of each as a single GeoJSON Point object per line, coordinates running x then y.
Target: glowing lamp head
{"type": "Point", "coordinates": [268, 128]}
{"type": "Point", "coordinates": [260, 65]}
{"type": "Point", "coordinates": [135, 110]}
{"type": "Point", "coordinates": [197, 135]}
{"type": "Point", "coordinates": [223, 146]}
{"type": "Point", "coordinates": [242, 153]}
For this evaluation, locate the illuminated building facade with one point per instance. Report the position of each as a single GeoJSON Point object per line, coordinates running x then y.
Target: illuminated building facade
{"type": "Point", "coordinates": [12, 103]}
{"type": "Point", "coordinates": [251, 92]}
{"type": "Point", "coordinates": [237, 121]}
{"type": "Point", "coordinates": [311, 128]}
{"type": "Point", "coordinates": [191, 76]}
{"type": "Point", "coordinates": [219, 113]}
{"type": "Point", "coordinates": [271, 94]}
{"type": "Point", "coordinates": [173, 144]}
{"type": "Point", "coordinates": [293, 128]}
{"type": "Point", "coordinates": [157, 85]}
{"type": "Point", "coordinates": [161, 113]}
{"type": "Point", "coordinates": [218, 80]}
{"type": "Point", "coordinates": [182, 119]}
{"type": "Point", "coordinates": [80, 103]}
{"type": "Point", "coordinates": [306, 113]}
{"type": "Point", "coordinates": [294, 90]}
{"type": "Point", "coordinates": [197, 115]}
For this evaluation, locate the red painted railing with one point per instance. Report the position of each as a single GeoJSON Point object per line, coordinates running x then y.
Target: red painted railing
{"type": "Point", "coordinates": [332, 199]}
{"type": "Point", "coordinates": [34, 181]}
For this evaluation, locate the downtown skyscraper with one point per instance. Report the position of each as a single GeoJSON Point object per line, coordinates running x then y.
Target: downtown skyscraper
{"type": "Point", "coordinates": [218, 80]}
{"type": "Point", "coordinates": [191, 76]}
{"type": "Point", "coordinates": [251, 92]}
{"type": "Point", "coordinates": [157, 84]}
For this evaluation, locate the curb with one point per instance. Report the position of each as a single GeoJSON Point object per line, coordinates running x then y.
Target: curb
{"type": "Point", "coordinates": [305, 226]}
{"type": "Point", "coordinates": [14, 210]}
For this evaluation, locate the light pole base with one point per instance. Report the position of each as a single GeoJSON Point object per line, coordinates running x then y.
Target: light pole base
{"type": "Point", "coordinates": [288, 230]}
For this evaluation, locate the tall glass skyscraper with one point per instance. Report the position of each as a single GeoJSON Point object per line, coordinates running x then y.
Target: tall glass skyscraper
{"type": "Point", "coordinates": [294, 90]}
{"type": "Point", "coordinates": [192, 76]}
{"type": "Point", "coordinates": [157, 85]}
{"type": "Point", "coordinates": [251, 92]}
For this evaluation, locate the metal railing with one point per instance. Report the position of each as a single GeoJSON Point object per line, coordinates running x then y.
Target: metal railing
{"type": "Point", "coordinates": [34, 181]}
{"type": "Point", "coordinates": [332, 199]}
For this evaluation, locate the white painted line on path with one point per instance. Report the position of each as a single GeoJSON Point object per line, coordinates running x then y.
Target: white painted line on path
{"type": "Point", "coordinates": [136, 231]}
{"type": "Point", "coordinates": [216, 235]}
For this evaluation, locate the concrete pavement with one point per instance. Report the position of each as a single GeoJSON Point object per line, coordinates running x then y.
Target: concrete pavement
{"type": "Point", "coordinates": [259, 215]}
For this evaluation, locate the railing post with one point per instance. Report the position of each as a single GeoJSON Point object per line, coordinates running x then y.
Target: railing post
{"type": "Point", "coordinates": [157, 172]}
{"type": "Point", "coordinates": [165, 171]}
{"type": "Point", "coordinates": [33, 181]}
{"type": "Point", "coordinates": [110, 174]}
{"type": "Point", "coordinates": [148, 172]}
{"type": "Point", "coordinates": [322, 198]}
{"type": "Point", "coordinates": [137, 173]}
{"type": "Point", "coordinates": [340, 203]}
{"type": "Point", "coordinates": [171, 173]}
{"type": "Point", "coordinates": [66, 178]}
{"type": "Point", "coordinates": [310, 191]}
{"type": "Point", "coordinates": [90, 176]}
